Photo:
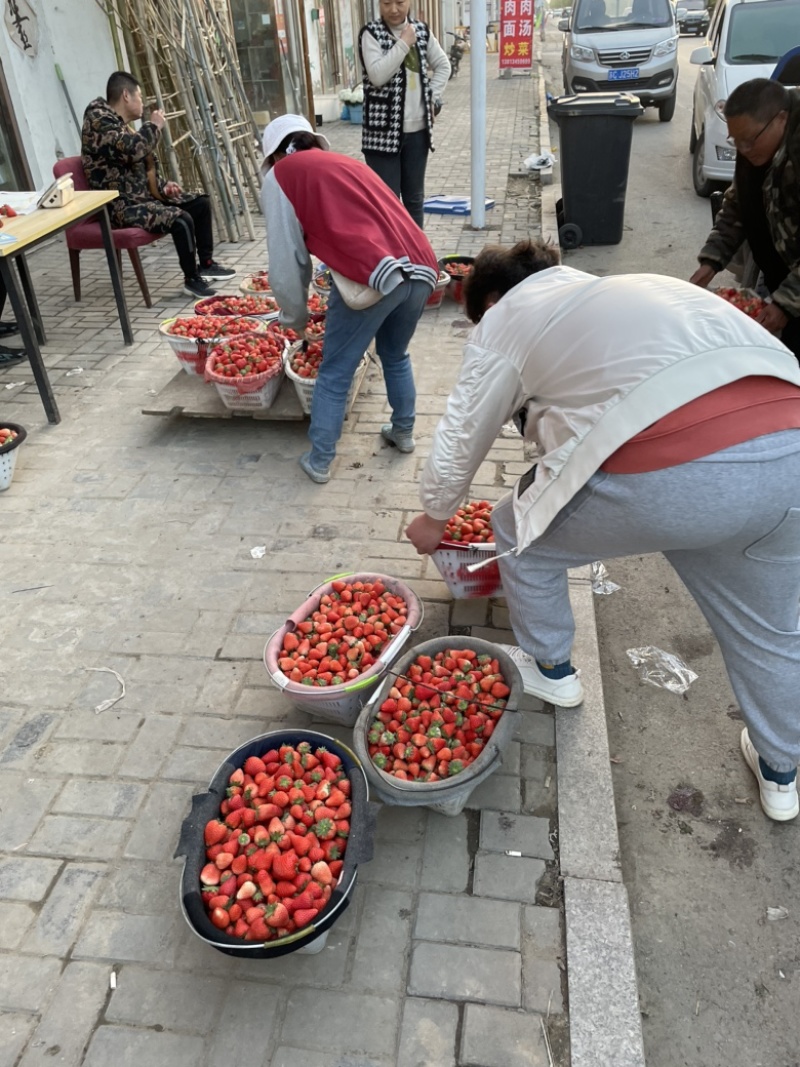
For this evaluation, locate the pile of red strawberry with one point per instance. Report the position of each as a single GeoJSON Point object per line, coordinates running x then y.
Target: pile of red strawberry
{"type": "Point", "coordinates": [317, 305]}
{"type": "Point", "coordinates": [457, 270]}
{"type": "Point", "coordinates": [259, 282]}
{"type": "Point", "coordinates": [437, 719]}
{"type": "Point", "coordinates": [275, 852]}
{"type": "Point", "coordinates": [305, 362]}
{"type": "Point", "coordinates": [7, 435]}
{"type": "Point", "coordinates": [205, 327]}
{"type": "Point", "coordinates": [237, 305]}
{"type": "Point", "coordinates": [246, 356]}
{"type": "Point", "coordinates": [344, 636]}
{"type": "Point", "coordinates": [471, 524]}
{"type": "Point", "coordinates": [745, 301]}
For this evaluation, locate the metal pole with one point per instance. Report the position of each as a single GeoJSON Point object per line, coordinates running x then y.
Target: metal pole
{"type": "Point", "coordinates": [477, 64]}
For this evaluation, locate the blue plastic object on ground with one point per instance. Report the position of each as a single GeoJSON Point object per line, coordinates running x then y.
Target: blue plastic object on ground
{"type": "Point", "coordinates": [451, 205]}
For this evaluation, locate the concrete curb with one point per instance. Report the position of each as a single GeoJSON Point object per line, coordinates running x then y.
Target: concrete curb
{"type": "Point", "coordinates": [604, 1017]}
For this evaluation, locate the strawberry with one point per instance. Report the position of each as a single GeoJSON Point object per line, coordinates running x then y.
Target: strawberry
{"type": "Point", "coordinates": [321, 872]}
{"type": "Point", "coordinates": [285, 865]}
{"type": "Point", "coordinates": [286, 889]}
{"type": "Point", "coordinates": [277, 915]}
{"type": "Point", "coordinates": [210, 875]}
{"type": "Point", "coordinates": [336, 867]}
{"type": "Point", "coordinates": [259, 931]}
{"type": "Point", "coordinates": [303, 917]}
{"type": "Point", "coordinates": [302, 900]}
{"type": "Point", "coordinates": [253, 766]}
{"type": "Point", "coordinates": [328, 759]}
{"type": "Point", "coordinates": [219, 918]}
{"type": "Point", "coordinates": [215, 832]}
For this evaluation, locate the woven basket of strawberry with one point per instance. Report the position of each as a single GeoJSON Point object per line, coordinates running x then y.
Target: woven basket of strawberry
{"type": "Point", "coordinates": [272, 848]}
{"type": "Point", "coordinates": [745, 300]}
{"type": "Point", "coordinates": [302, 363]}
{"type": "Point", "coordinates": [336, 647]}
{"type": "Point", "coordinates": [457, 268]}
{"type": "Point", "coordinates": [256, 283]}
{"type": "Point", "coordinates": [256, 304]}
{"type": "Point", "coordinates": [438, 725]}
{"type": "Point", "coordinates": [192, 337]}
{"type": "Point", "coordinates": [247, 371]}
{"type": "Point", "coordinates": [11, 437]}
{"type": "Point", "coordinates": [468, 539]}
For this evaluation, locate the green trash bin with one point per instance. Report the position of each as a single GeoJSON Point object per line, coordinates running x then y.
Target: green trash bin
{"type": "Point", "coordinates": [595, 134]}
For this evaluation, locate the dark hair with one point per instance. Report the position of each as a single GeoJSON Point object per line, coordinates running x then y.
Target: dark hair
{"type": "Point", "coordinates": [497, 270]}
{"type": "Point", "coordinates": [119, 81]}
{"type": "Point", "coordinates": [300, 141]}
{"type": "Point", "coordinates": [760, 98]}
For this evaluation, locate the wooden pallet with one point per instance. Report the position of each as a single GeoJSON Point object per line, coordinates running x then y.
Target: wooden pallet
{"type": "Point", "coordinates": [187, 394]}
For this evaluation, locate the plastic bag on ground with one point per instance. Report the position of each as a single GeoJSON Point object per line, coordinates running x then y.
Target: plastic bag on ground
{"type": "Point", "coordinates": [601, 584]}
{"type": "Point", "coordinates": [661, 669]}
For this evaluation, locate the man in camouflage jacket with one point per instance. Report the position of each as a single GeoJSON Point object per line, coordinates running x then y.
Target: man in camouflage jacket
{"type": "Point", "coordinates": [762, 206]}
{"type": "Point", "coordinates": [115, 156]}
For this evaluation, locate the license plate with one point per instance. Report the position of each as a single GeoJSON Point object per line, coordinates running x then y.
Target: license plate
{"type": "Point", "coordinates": [624, 74]}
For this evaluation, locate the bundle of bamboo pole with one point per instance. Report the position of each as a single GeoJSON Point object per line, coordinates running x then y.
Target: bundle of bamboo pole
{"type": "Point", "coordinates": [183, 54]}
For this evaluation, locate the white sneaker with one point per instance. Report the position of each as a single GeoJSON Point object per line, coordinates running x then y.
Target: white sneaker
{"type": "Point", "coordinates": [563, 692]}
{"type": "Point", "coordinates": [778, 801]}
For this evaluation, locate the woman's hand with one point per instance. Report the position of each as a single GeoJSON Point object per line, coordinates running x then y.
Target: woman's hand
{"type": "Point", "coordinates": [703, 275]}
{"type": "Point", "coordinates": [425, 533]}
{"type": "Point", "coordinates": [409, 35]}
{"type": "Point", "coordinates": [772, 318]}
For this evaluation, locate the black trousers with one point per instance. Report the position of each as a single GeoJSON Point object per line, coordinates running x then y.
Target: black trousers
{"type": "Point", "coordinates": [193, 234]}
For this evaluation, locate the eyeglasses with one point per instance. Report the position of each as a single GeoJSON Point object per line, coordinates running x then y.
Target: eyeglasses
{"type": "Point", "coordinates": [748, 146]}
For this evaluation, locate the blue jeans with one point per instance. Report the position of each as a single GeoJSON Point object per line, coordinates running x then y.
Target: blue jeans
{"type": "Point", "coordinates": [404, 172]}
{"type": "Point", "coordinates": [348, 333]}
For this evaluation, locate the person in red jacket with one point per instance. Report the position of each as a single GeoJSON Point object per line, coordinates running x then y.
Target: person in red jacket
{"type": "Point", "coordinates": [317, 202]}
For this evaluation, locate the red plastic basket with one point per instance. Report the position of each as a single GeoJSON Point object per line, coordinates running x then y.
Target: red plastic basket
{"type": "Point", "coordinates": [451, 561]}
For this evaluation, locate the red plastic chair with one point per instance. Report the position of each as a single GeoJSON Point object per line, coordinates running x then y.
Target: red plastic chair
{"type": "Point", "coordinates": [87, 234]}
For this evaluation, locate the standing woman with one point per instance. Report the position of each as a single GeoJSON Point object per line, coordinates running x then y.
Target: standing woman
{"type": "Point", "coordinates": [405, 74]}
{"type": "Point", "coordinates": [317, 202]}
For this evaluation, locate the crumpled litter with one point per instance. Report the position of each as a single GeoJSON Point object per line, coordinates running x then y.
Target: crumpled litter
{"type": "Point", "coordinates": [258, 552]}
{"type": "Point", "coordinates": [73, 372]}
{"type": "Point", "coordinates": [601, 584]}
{"type": "Point", "coordinates": [109, 703]}
{"type": "Point", "coordinates": [661, 669]}
{"type": "Point", "coordinates": [15, 385]}
{"type": "Point", "coordinates": [539, 161]}
{"type": "Point", "coordinates": [774, 914]}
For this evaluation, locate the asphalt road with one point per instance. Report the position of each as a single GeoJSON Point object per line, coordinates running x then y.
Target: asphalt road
{"type": "Point", "coordinates": [719, 980]}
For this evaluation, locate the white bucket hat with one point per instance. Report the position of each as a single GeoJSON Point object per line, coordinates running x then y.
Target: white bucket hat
{"type": "Point", "coordinates": [281, 127]}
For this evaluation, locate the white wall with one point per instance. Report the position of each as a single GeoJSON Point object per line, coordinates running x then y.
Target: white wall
{"type": "Point", "coordinates": [76, 35]}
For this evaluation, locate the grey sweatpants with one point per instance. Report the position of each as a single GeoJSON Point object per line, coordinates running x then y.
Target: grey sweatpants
{"type": "Point", "coordinates": [729, 524]}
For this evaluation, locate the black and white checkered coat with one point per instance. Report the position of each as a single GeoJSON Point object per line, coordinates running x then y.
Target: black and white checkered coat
{"type": "Point", "coordinates": [382, 126]}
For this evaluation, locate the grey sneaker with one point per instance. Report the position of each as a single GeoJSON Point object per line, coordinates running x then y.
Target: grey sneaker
{"type": "Point", "coordinates": [320, 477]}
{"type": "Point", "coordinates": [197, 288]}
{"type": "Point", "coordinates": [563, 692]}
{"type": "Point", "coordinates": [402, 441]}
{"type": "Point", "coordinates": [214, 271]}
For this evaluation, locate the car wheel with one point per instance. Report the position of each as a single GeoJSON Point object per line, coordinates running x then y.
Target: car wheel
{"type": "Point", "coordinates": [702, 185]}
{"type": "Point", "coordinates": [666, 109]}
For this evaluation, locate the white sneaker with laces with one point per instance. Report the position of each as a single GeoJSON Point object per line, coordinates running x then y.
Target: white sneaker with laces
{"type": "Point", "coordinates": [563, 692]}
{"type": "Point", "coordinates": [778, 801]}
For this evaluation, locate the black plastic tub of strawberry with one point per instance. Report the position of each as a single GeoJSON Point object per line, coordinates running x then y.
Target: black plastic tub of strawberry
{"type": "Point", "coordinates": [254, 885]}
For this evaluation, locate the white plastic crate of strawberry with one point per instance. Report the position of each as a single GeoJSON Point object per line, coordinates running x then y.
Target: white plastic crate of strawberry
{"type": "Point", "coordinates": [276, 850]}
{"type": "Point", "coordinates": [259, 282]}
{"type": "Point", "coordinates": [305, 361]}
{"type": "Point", "coordinates": [744, 299]}
{"type": "Point", "coordinates": [203, 327]}
{"type": "Point", "coordinates": [245, 356]}
{"type": "Point", "coordinates": [344, 636]}
{"type": "Point", "coordinates": [471, 524]}
{"type": "Point", "coordinates": [237, 305]}
{"type": "Point", "coordinates": [438, 717]}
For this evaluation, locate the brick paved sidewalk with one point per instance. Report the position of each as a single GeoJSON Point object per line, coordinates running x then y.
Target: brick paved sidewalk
{"type": "Point", "coordinates": [127, 546]}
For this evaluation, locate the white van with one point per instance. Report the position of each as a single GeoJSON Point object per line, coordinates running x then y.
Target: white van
{"type": "Point", "coordinates": [745, 40]}
{"type": "Point", "coordinates": [629, 45]}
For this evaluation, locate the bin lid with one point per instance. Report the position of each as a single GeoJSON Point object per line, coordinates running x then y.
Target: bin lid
{"type": "Point", "coordinates": [626, 104]}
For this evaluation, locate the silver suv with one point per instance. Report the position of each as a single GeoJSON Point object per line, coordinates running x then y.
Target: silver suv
{"type": "Point", "coordinates": [618, 45]}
